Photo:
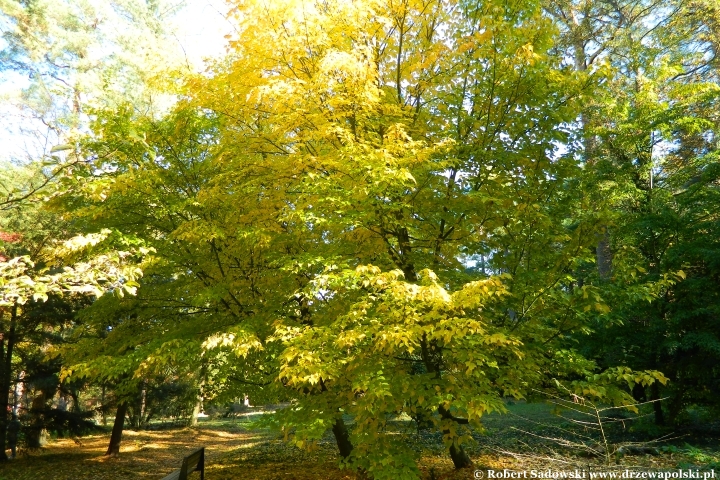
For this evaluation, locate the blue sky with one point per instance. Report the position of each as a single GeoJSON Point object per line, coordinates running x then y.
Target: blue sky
{"type": "Point", "coordinates": [200, 29]}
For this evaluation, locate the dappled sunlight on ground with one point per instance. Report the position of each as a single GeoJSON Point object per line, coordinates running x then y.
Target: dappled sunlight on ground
{"type": "Point", "coordinates": [232, 452]}
{"type": "Point", "coordinates": [143, 454]}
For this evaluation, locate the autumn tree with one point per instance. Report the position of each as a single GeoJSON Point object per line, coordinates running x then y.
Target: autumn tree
{"type": "Point", "coordinates": [409, 140]}
{"type": "Point", "coordinates": [24, 283]}
{"type": "Point", "coordinates": [368, 209]}
{"type": "Point", "coordinates": [654, 131]}
{"type": "Point", "coordinates": [78, 56]}
{"type": "Point", "coordinates": [159, 183]}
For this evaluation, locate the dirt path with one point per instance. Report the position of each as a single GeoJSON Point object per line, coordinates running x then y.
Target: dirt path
{"type": "Point", "coordinates": [234, 454]}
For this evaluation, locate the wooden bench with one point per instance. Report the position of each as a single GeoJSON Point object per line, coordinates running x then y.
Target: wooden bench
{"type": "Point", "coordinates": [195, 462]}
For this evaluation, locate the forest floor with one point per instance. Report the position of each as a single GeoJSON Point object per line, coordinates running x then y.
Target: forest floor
{"type": "Point", "coordinates": [530, 437]}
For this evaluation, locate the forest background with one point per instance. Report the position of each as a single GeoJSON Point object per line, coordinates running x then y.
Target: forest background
{"type": "Point", "coordinates": [361, 210]}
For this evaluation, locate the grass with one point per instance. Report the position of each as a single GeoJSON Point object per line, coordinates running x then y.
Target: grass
{"type": "Point", "coordinates": [519, 440]}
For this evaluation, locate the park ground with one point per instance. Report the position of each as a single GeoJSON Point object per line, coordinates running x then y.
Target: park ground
{"type": "Point", "coordinates": [530, 436]}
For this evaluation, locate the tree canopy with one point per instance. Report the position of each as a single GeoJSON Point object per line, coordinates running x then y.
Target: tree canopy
{"type": "Point", "coordinates": [423, 207]}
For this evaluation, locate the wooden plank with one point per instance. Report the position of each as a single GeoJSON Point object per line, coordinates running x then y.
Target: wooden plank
{"type": "Point", "coordinates": [195, 462]}
{"type": "Point", "coordinates": [173, 476]}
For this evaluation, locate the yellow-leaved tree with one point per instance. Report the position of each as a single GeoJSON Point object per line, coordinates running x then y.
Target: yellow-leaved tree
{"type": "Point", "coordinates": [410, 150]}
{"type": "Point", "coordinates": [364, 210]}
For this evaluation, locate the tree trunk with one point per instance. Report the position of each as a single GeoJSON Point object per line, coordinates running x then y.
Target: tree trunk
{"type": "Point", "coordinates": [197, 410]}
{"type": "Point", "coordinates": [116, 436]}
{"type": "Point", "coordinates": [342, 438]}
{"type": "Point", "coordinates": [3, 404]}
{"type": "Point", "coordinates": [459, 457]}
{"type": "Point", "coordinates": [655, 395]}
{"type": "Point", "coordinates": [423, 419]}
{"type": "Point", "coordinates": [35, 437]}
{"type": "Point", "coordinates": [431, 360]}
{"type": "Point", "coordinates": [457, 453]}
{"type": "Point", "coordinates": [639, 393]}
{"type": "Point", "coordinates": [104, 407]}
{"type": "Point", "coordinates": [675, 408]}
{"type": "Point", "coordinates": [143, 404]}
{"type": "Point", "coordinates": [7, 342]}
{"type": "Point", "coordinates": [75, 395]}
{"type": "Point", "coordinates": [604, 255]}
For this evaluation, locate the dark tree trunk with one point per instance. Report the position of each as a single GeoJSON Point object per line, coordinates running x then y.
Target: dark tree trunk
{"type": "Point", "coordinates": [457, 453]}
{"type": "Point", "coordinates": [35, 437]}
{"type": "Point", "coordinates": [342, 437]}
{"type": "Point", "coordinates": [104, 407]}
{"type": "Point", "coordinates": [75, 395]}
{"type": "Point", "coordinates": [459, 457]}
{"type": "Point", "coordinates": [604, 256]}
{"type": "Point", "coordinates": [675, 408]}
{"type": "Point", "coordinates": [3, 444]}
{"type": "Point", "coordinates": [638, 393]}
{"type": "Point", "coordinates": [432, 360]}
{"type": "Point", "coordinates": [116, 436]}
{"type": "Point", "coordinates": [7, 342]}
{"type": "Point", "coordinates": [423, 419]}
{"type": "Point", "coordinates": [655, 395]}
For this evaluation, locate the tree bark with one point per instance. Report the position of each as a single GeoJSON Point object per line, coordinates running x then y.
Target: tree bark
{"type": "Point", "coordinates": [457, 453]}
{"type": "Point", "coordinates": [7, 342]}
{"type": "Point", "coordinates": [197, 410]}
{"type": "Point", "coordinates": [75, 395]}
{"type": "Point", "coordinates": [104, 407]}
{"type": "Point", "coordinates": [431, 359]}
{"type": "Point", "coordinates": [342, 438]}
{"type": "Point", "coordinates": [604, 255]}
{"type": "Point", "coordinates": [116, 436]}
{"type": "Point", "coordinates": [35, 437]}
{"type": "Point", "coordinates": [655, 395]}
{"type": "Point", "coordinates": [675, 408]}
{"type": "Point", "coordinates": [143, 404]}
{"type": "Point", "coordinates": [459, 457]}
